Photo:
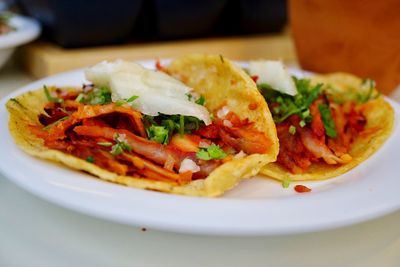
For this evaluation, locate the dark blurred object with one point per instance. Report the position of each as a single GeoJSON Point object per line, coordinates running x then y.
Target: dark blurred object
{"type": "Point", "coordinates": [177, 19]}
{"type": "Point", "coordinates": [259, 16]}
{"type": "Point", "coordinates": [76, 23]}
{"type": "Point", "coordinates": [241, 17]}
{"type": "Point", "coordinates": [358, 36]}
{"type": "Point", "coordinates": [73, 23]}
{"type": "Point", "coordinates": [182, 19]}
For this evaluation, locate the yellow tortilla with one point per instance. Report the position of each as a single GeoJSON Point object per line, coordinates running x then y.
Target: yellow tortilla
{"type": "Point", "coordinates": [24, 111]}
{"type": "Point", "coordinates": [379, 115]}
{"type": "Point", "coordinates": [221, 82]}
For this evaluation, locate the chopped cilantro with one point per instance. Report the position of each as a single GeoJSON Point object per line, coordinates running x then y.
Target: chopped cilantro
{"type": "Point", "coordinates": [364, 97]}
{"type": "Point", "coordinates": [121, 102]}
{"type": "Point", "coordinates": [172, 123]}
{"type": "Point", "coordinates": [116, 150]}
{"type": "Point", "coordinates": [80, 98]}
{"type": "Point", "coordinates": [132, 98]}
{"type": "Point", "coordinates": [264, 86]}
{"type": "Point", "coordinates": [51, 98]}
{"type": "Point", "coordinates": [329, 123]}
{"type": "Point", "coordinates": [313, 94]}
{"type": "Point", "coordinates": [90, 159]}
{"type": "Point", "coordinates": [286, 182]}
{"type": "Point", "coordinates": [158, 134]}
{"type": "Point", "coordinates": [203, 154]}
{"type": "Point", "coordinates": [120, 146]}
{"type": "Point", "coordinates": [181, 124]}
{"type": "Point", "coordinates": [288, 105]}
{"type": "Point", "coordinates": [104, 143]}
{"type": "Point", "coordinates": [96, 96]}
{"type": "Point", "coordinates": [211, 152]}
{"type": "Point", "coordinates": [222, 58]}
{"type": "Point", "coordinates": [292, 129]}
{"type": "Point", "coordinates": [201, 100]}
{"type": "Point", "coordinates": [54, 123]}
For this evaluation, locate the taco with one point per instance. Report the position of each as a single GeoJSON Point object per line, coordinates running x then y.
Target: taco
{"type": "Point", "coordinates": [145, 129]}
{"type": "Point", "coordinates": [326, 124]}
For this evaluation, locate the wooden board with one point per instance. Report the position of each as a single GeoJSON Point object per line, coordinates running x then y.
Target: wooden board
{"type": "Point", "coordinates": [42, 59]}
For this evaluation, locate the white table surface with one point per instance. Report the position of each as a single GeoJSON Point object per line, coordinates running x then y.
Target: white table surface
{"type": "Point", "coordinates": [34, 232]}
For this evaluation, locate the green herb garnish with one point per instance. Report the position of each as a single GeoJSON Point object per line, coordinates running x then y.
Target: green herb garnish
{"type": "Point", "coordinates": [104, 143]}
{"type": "Point", "coordinates": [116, 150]}
{"type": "Point", "coordinates": [121, 102]}
{"type": "Point", "coordinates": [90, 159]}
{"type": "Point", "coordinates": [370, 84]}
{"type": "Point", "coordinates": [201, 100]}
{"type": "Point", "coordinates": [97, 96]}
{"type": "Point", "coordinates": [51, 98]}
{"type": "Point", "coordinates": [292, 130]}
{"type": "Point", "coordinates": [120, 146]}
{"type": "Point", "coordinates": [158, 133]}
{"type": "Point", "coordinates": [290, 105]}
{"type": "Point", "coordinates": [54, 123]}
{"type": "Point", "coordinates": [286, 182]}
{"type": "Point", "coordinates": [181, 124]}
{"type": "Point", "coordinates": [211, 152]}
{"type": "Point", "coordinates": [172, 123]}
{"type": "Point", "coordinates": [329, 123]}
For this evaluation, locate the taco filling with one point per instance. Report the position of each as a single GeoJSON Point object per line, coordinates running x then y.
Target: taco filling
{"type": "Point", "coordinates": [317, 123]}
{"type": "Point", "coordinates": [141, 125]}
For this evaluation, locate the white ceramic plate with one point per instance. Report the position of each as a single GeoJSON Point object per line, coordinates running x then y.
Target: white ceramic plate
{"type": "Point", "coordinates": [256, 207]}
{"type": "Point", "coordinates": [27, 29]}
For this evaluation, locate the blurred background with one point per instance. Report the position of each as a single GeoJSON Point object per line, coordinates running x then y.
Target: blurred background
{"type": "Point", "coordinates": [75, 23]}
{"type": "Point", "coordinates": [358, 36]}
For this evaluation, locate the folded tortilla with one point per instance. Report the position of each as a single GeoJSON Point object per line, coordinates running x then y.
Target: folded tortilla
{"type": "Point", "coordinates": [227, 84]}
{"type": "Point", "coordinates": [380, 118]}
{"type": "Point", "coordinates": [222, 82]}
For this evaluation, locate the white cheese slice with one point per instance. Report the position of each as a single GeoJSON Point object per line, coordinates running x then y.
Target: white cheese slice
{"type": "Point", "coordinates": [157, 91]}
{"type": "Point", "coordinates": [273, 73]}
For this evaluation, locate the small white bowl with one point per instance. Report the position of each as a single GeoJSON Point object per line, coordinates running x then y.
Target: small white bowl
{"type": "Point", "coordinates": [27, 30]}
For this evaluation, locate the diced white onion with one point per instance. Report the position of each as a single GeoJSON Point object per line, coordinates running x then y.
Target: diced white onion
{"type": "Point", "coordinates": [227, 123]}
{"type": "Point", "coordinates": [240, 155]}
{"type": "Point", "coordinates": [203, 144]}
{"type": "Point", "coordinates": [222, 112]}
{"type": "Point", "coordinates": [188, 165]}
{"type": "Point", "coordinates": [122, 138]}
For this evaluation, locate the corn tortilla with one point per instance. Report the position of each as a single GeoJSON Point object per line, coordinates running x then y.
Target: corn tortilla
{"type": "Point", "coordinates": [24, 110]}
{"type": "Point", "coordinates": [221, 82]}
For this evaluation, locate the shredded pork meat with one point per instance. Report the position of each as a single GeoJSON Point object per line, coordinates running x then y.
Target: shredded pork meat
{"type": "Point", "coordinates": [89, 132]}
